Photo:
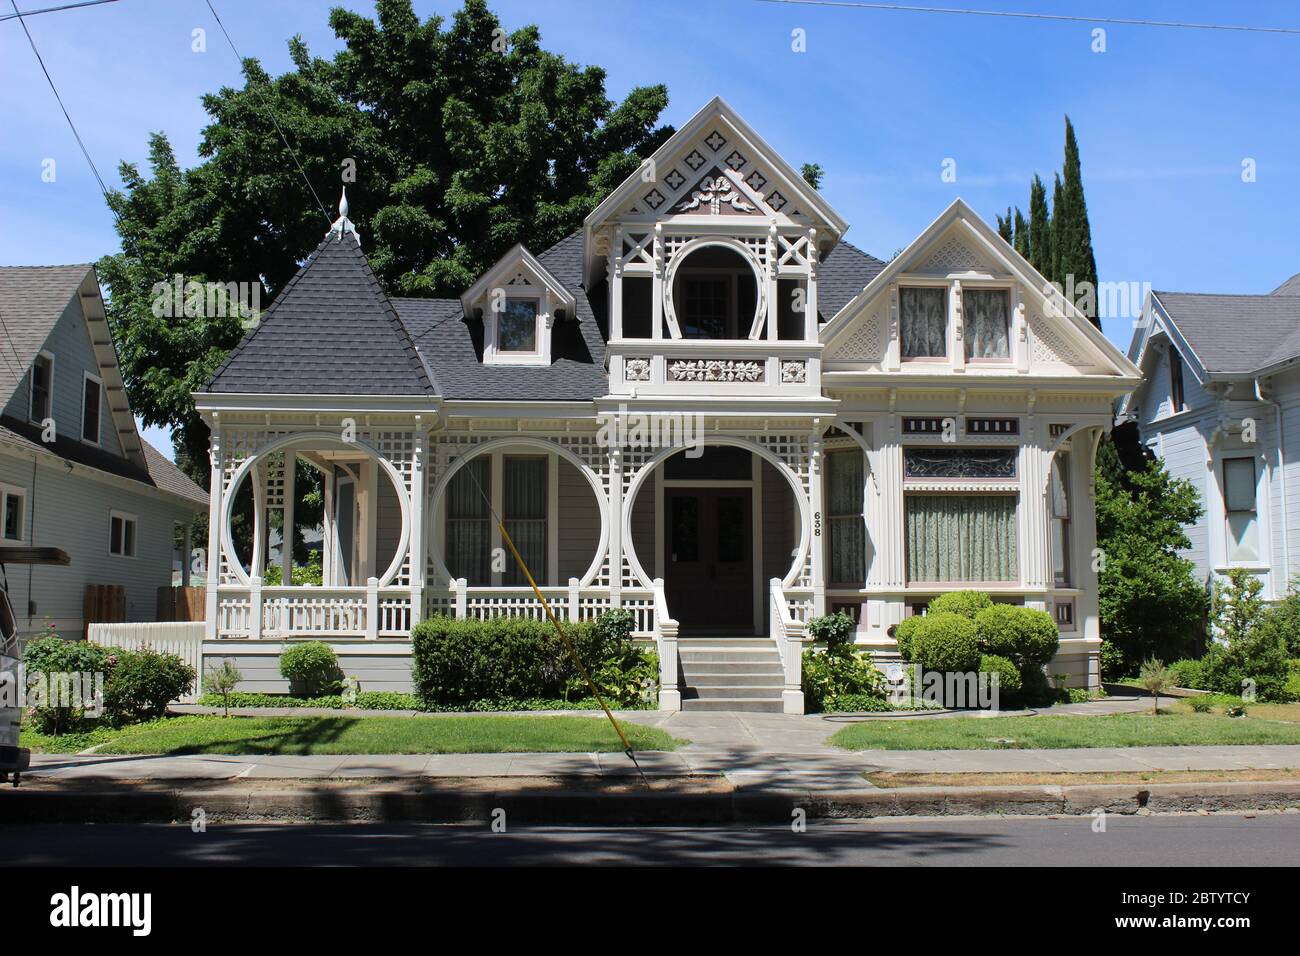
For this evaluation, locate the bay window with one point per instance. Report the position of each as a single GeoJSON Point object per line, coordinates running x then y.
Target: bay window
{"type": "Point", "coordinates": [985, 324]}
{"type": "Point", "coordinates": [844, 477]}
{"type": "Point", "coordinates": [923, 322]}
{"type": "Point", "coordinates": [961, 538]}
{"type": "Point", "coordinates": [1239, 504]}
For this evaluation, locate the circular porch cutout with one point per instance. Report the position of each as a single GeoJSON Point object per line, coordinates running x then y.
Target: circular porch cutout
{"type": "Point", "coordinates": [714, 289]}
{"type": "Point", "coordinates": [364, 527]}
{"type": "Point", "coordinates": [716, 528]}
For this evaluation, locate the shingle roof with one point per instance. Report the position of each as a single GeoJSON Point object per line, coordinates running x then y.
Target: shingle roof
{"type": "Point", "coordinates": [1236, 334]}
{"type": "Point", "coordinates": [841, 275]}
{"type": "Point", "coordinates": [331, 330]}
{"type": "Point", "coordinates": [161, 473]}
{"type": "Point", "coordinates": [1290, 287]}
{"type": "Point", "coordinates": [32, 298]}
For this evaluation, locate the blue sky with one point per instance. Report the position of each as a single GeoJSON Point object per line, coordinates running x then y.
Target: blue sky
{"type": "Point", "coordinates": [880, 99]}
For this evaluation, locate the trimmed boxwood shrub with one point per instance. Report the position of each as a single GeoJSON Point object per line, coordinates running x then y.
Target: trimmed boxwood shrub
{"type": "Point", "coordinates": [312, 669]}
{"type": "Point", "coordinates": [904, 631]}
{"type": "Point", "coordinates": [458, 662]}
{"type": "Point", "coordinates": [1009, 682]}
{"type": "Point", "coordinates": [1025, 635]}
{"type": "Point", "coordinates": [946, 641]}
{"type": "Point", "coordinates": [966, 603]}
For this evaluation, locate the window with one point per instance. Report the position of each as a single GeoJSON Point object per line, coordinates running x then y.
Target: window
{"type": "Point", "coordinates": [121, 534]}
{"type": "Point", "coordinates": [923, 322]}
{"type": "Point", "coordinates": [1060, 494]}
{"type": "Point", "coordinates": [1239, 504]}
{"type": "Point", "coordinates": [705, 311]}
{"type": "Point", "coordinates": [13, 512]}
{"type": "Point", "coordinates": [984, 322]}
{"type": "Point", "coordinates": [92, 389]}
{"type": "Point", "coordinates": [961, 538]}
{"type": "Point", "coordinates": [469, 527]}
{"type": "Point", "coordinates": [844, 517]}
{"type": "Point", "coordinates": [524, 513]}
{"type": "Point", "coordinates": [42, 386]}
{"type": "Point", "coordinates": [1176, 381]}
{"type": "Point", "coordinates": [517, 326]}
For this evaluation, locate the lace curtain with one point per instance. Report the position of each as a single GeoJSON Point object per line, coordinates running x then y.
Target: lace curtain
{"type": "Point", "coordinates": [524, 514]}
{"type": "Point", "coordinates": [468, 523]}
{"type": "Point", "coordinates": [844, 511]}
{"type": "Point", "coordinates": [923, 322]}
{"type": "Point", "coordinates": [984, 318]}
{"type": "Point", "coordinates": [961, 538]}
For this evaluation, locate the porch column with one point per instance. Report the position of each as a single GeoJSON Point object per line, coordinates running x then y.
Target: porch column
{"type": "Point", "coordinates": [616, 527]}
{"type": "Point", "coordinates": [817, 550]}
{"type": "Point", "coordinates": [416, 549]}
{"type": "Point", "coordinates": [257, 475]}
{"type": "Point", "coordinates": [215, 455]}
{"type": "Point", "coordinates": [286, 524]}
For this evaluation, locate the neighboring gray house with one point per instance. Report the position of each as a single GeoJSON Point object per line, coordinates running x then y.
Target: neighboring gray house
{"type": "Point", "coordinates": [74, 472]}
{"type": "Point", "coordinates": [1219, 404]}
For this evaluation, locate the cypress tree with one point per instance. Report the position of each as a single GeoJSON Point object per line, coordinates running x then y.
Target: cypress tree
{"type": "Point", "coordinates": [1021, 232]}
{"type": "Point", "coordinates": [1057, 231]}
{"type": "Point", "coordinates": [1074, 249]}
{"type": "Point", "coordinates": [1040, 236]}
{"type": "Point", "coordinates": [1004, 226]}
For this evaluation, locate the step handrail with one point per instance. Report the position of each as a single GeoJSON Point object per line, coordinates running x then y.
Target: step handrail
{"type": "Point", "coordinates": [790, 635]}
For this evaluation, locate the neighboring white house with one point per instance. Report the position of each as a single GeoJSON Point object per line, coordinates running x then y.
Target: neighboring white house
{"type": "Point", "coordinates": [74, 472]}
{"type": "Point", "coordinates": [1219, 406]}
{"type": "Point", "coordinates": [704, 407]}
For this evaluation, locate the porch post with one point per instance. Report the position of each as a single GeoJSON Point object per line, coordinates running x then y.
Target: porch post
{"type": "Point", "coordinates": [372, 608]}
{"type": "Point", "coordinates": [616, 527]}
{"type": "Point", "coordinates": [574, 598]}
{"type": "Point", "coordinates": [286, 524]}
{"type": "Point", "coordinates": [416, 549]}
{"type": "Point", "coordinates": [462, 597]}
{"type": "Point", "coordinates": [817, 545]}
{"type": "Point", "coordinates": [258, 476]}
{"type": "Point", "coordinates": [255, 608]}
{"type": "Point", "coordinates": [215, 455]}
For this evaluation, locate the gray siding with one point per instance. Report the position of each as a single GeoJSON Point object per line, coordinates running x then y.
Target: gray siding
{"type": "Point", "coordinates": [644, 527]}
{"type": "Point", "coordinates": [388, 523]}
{"type": "Point", "coordinates": [71, 511]}
{"type": "Point", "coordinates": [69, 342]}
{"type": "Point", "coordinates": [779, 519]}
{"type": "Point", "coordinates": [261, 672]}
{"type": "Point", "coordinates": [578, 524]}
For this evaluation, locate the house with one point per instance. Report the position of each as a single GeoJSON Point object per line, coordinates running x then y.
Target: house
{"type": "Point", "coordinates": [74, 472]}
{"type": "Point", "coordinates": [704, 407]}
{"type": "Point", "coordinates": [1219, 405]}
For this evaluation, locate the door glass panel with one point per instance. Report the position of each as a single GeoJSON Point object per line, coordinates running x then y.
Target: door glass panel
{"type": "Point", "coordinates": [686, 528]}
{"type": "Point", "coordinates": [731, 529]}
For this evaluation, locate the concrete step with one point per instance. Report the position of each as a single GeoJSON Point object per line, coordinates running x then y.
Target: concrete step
{"type": "Point", "coordinates": [771, 678]}
{"type": "Point", "coordinates": [748, 705]}
{"type": "Point", "coordinates": [734, 667]}
{"type": "Point", "coordinates": [728, 642]}
{"type": "Point", "coordinates": [753, 656]}
{"type": "Point", "coordinates": [700, 692]}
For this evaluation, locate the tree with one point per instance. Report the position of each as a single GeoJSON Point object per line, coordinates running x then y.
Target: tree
{"type": "Point", "coordinates": [1056, 229]}
{"type": "Point", "coordinates": [1040, 233]}
{"type": "Point", "coordinates": [1020, 229]}
{"type": "Point", "coordinates": [1073, 239]}
{"type": "Point", "coordinates": [1151, 603]}
{"type": "Point", "coordinates": [812, 174]}
{"type": "Point", "coordinates": [1156, 679]}
{"type": "Point", "coordinates": [1249, 658]}
{"type": "Point", "coordinates": [1005, 227]}
{"type": "Point", "coordinates": [454, 143]}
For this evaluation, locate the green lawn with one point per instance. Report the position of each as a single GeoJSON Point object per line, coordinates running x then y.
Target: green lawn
{"type": "Point", "coordinates": [361, 735]}
{"type": "Point", "coordinates": [1116, 730]}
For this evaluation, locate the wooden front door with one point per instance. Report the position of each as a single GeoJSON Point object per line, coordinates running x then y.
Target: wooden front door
{"type": "Point", "coordinates": [709, 557]}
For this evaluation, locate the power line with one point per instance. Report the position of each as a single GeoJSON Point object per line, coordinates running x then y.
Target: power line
{"type": "Point", "coordinates": [1240, 28]}
{"type": "Point", "coordinates": [66, 6]}
{"type": "Point", "coordinates": [271, 113]}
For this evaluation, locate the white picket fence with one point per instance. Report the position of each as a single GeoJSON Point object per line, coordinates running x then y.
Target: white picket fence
{"type": "Point", "coordinates": [183, 638]}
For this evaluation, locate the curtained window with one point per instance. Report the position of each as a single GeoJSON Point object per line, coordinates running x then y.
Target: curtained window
{"type": "Point", "coordinates": [844, 517]}
{"type": "Point", "coordinates": [1061, 519]}
{"type": "Point", "coordinates": [524, 513]}
{"type": "Point", "coordinates": [469, 523]}
{"type": "Point", "coordinates": [1239, 503]}
{"type": "Point", "coordinates": [961, 538]}
{"type": "Point", "coordinates": [923, 322]}
{"type": "Point", "coordinates": [984, 321]}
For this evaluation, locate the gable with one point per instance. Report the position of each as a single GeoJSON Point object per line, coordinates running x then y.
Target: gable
{"type": "Point", "coordinates": [959, 251]}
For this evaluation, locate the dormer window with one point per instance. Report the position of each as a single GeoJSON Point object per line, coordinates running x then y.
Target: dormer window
{"type": "Point", "coordinates": [517, 327]}
{"type": "Point", "coordinates": [518, 301]}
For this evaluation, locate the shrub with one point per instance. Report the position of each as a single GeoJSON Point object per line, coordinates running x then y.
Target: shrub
{"type": "Point", "coordinates": [456, 662]}
{"type": "Point", "coordinates": [1156, 679]}
{"type": "Point", "coordinates": [966, 603]}
{"type": "Point", "coordinates": [946, 641]}
{"type": "Point", "coordinates": [142, 683]}
{"type": "Point", "coordinates": [222, 681]}
{"type": "Point", "coordinates": [1282, 620]}
{"type": "Point", "coordinates": [51, 655]}
{"type": "Point", "coordinates": [860, 703]}
{"type": "Point", "coordinates": [833, 631]}
{"type": "Point", "coordinates": [831, 676]}
{"type": "Point", "coordinates": [904, 632]}
{"type": "Point", "coordinates": [1025, 635]}
{"type": "Point", "coordinates": [1009, 682]}
{"type": "Point", "coordinates": [312, 669]}
{"type": "Point", "coordinates": [1114, 662]}
{"type": "Point", "coordinates": [1257, 659]}
{"type": "Point", "coordinates": [1202, 703]}
{"type": "Point", "coordinates": [1189, 673]}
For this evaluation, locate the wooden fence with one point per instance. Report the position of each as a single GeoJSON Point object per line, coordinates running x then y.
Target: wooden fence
{"type": "Point", "coordinates": [180, 604]}
{"type": "Point", "coordinates": [103, 604]}
{"type": "Point", "coordinates": [184, 639]}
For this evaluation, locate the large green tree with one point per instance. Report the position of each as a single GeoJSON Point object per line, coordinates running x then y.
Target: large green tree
{"type": "Point", "coordinates": [1073, 253]}
{"type": "Point", "coordinates": [455, 141]}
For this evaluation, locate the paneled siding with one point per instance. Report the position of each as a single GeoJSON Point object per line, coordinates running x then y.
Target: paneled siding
{"type": "Point", "coordinates": [74, 355]}
{"type": "Point", "coordinates": [578, 531]}
{"type": "Point", "coordinates": [261, 671]}
{"type": "Point", "coordinates": [779, 519]}
{"type": "Point", "coordinates": [644, 527]}
{"type": "Point", "coordinates": [72, 512]}
{"type": "Point", "coordinates": [388, 523]}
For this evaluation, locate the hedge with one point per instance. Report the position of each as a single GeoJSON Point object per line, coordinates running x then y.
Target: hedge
{"type": "Point", "coordinates": [946, 641]}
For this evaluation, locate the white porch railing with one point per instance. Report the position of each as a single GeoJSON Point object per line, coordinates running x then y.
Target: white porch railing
{"type": "Point", "coordinates": [280, 613]}
{"type": "Point", "coordinates": [572, 603]}
{"type": "Point", "coordinates": [184, 639]}
{"type": "Point", "coordinates": [789, 617]}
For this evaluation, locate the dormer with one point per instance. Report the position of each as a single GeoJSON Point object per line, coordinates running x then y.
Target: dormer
{"type": "Point", "coordinates": [519, 302]}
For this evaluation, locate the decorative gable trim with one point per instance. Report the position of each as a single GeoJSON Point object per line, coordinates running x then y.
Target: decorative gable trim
{"type": "Point", "coordinates": [110, 374]}
{"type": "Point", "coordinates": [517, 275]}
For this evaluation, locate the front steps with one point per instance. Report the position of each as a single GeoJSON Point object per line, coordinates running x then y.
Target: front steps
{"type": "Point", "coordinates": [731, 674]}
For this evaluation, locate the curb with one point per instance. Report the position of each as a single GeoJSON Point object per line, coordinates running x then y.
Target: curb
{"type": "Point", "coordinates": [528, 802]}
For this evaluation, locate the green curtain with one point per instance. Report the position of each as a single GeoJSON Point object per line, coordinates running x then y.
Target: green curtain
{"type": "Point", "coordinates": [844, 509]}
{"type": "Point", "coordinates": [524, 507]}
{"type": "Point", "coordinates": [961, 538]}
{"type": "Point", "coordinates": [468, 524]}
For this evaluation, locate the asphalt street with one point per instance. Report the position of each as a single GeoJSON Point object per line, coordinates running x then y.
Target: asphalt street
{"type": "Point", "coordinates": [1146, 841]}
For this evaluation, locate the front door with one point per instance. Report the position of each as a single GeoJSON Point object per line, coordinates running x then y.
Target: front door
{"type": "Point", "coordinates": [710, 559]}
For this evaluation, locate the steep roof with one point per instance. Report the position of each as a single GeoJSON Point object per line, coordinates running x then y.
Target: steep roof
{"type": "Point", "coordinates": [32, 299]}
{"type": "Point", "coordinates": [1290, 287]}
{"type": "Point", "coordinates": [841, 275]}
{"type": "Point", "coordinates": [331, 330]}
{"type": "Point", "coordinates": [1236, 334]}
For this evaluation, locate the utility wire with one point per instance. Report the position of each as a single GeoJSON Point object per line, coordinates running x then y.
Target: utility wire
{"type": "Point", "coordinates": [1240, 28]}
{"type": "Point", "coordinates": [270, 113]}
{"type": "Point", "coordinates": [66, 6]}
